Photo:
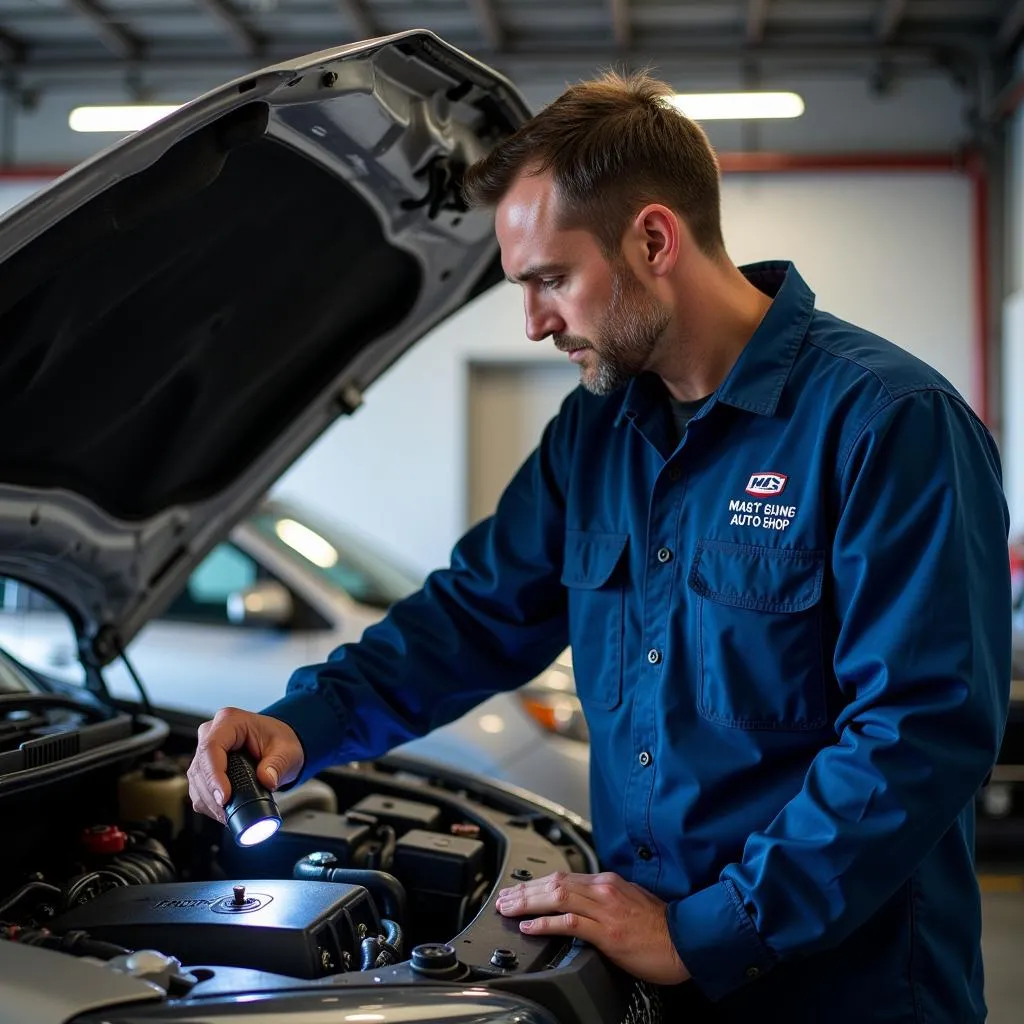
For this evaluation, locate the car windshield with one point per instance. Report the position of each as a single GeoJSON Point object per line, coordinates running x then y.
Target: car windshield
{"type": "Point", "coordinates": [345, 561]}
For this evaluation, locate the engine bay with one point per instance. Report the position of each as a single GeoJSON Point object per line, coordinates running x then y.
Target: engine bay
{"type": "Point", "coordinates": [380, 873]}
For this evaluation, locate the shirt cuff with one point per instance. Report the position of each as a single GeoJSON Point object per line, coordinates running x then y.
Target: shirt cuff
{"type": "Point", "coordinates": [717, 940]}
{"type": "Point", "coordinates": [316, 723]}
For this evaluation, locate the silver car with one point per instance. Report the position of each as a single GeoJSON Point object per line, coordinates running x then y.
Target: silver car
{"type": "Point", "coordinates": [285, 590]}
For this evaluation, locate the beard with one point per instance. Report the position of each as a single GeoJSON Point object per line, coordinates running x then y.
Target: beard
{"type": "Point", "coordinates": [624, 340]}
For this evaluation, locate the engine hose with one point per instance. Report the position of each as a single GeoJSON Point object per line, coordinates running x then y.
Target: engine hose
{"type": "Point", "coordinates": [393, 937]}
{"type": "Point", "coordinates": [369, 949]}
{"type": "Point", "coordinates": [381, 950]}
{"type": "Point", "coordinates": [79, 943]}
{"type": "Point", "coordinates": [383, 886]}
{"type": "Point", "coordinates": [43, 888]}
{"type": "Point", "coordinates": [143, 866]}
{"type": "Point", "coordinates": [83, 883]}
{"type": "Point", "coordinates": [386, 853]}
{"type": "Point", "coordinates": [150, 856]}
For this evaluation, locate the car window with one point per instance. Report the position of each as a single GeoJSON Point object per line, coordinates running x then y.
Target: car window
{"type": "Point", "coordinates": [223, 572]}
{"type": "Point", "coordinates": [344, 561]}
{"type": "Point", "coordinates": [226, 570]}
{"type": "Point", "coordinates": [19, 597]}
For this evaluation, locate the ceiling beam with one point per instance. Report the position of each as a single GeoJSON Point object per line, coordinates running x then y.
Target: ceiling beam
{"type": "Point", "coordinates": [115, 36]}
{"type": "Point", "coordinates": [757, 19]}
{"type": "Point", "coordinates": [816, 52]}
{"type": "Point", "coordinates": [246, 37]}
{"type": "Point", "coordinates": [622, 24]}
{"type": "Point", "coordinates": [1012, 26]}
{"type": "Point", "coordinates": [493, 33]}
{"type": "Point", "coordinates": [362, 21]}
{"type": "Point", "coordinates": [890, 14]}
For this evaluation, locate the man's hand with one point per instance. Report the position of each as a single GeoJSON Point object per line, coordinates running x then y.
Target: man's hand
{"type": "Point", "coordinates": [269, 740]}
{"type": "Point", "coordinates": [624, 921]}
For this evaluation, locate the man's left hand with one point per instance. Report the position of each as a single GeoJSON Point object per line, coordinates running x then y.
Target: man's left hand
{"type": "Point", "coordinates": [625, 922]}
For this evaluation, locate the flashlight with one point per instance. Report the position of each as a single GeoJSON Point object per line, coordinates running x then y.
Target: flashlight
{"type": "Point", "coordinates": [251, 812]}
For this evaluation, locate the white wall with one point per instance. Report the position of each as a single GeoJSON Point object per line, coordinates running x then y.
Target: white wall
{"type": "Point", "coordinates": [891, 252]}
{"type": "Point", "coordinates": [14, 190]}
{"type": "Point", "coordinates": [888, 251]}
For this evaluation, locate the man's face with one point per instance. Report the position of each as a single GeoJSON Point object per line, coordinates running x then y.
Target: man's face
{"type": "Point", "coordinates": [594, 309]}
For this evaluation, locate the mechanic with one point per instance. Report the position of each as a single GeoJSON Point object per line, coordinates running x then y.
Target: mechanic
{"type": "Point", "coordinates": [778, 547]}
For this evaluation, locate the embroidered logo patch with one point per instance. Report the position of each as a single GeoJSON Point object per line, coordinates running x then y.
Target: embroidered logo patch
{"type": "Point", "coordinates": [766, 484]}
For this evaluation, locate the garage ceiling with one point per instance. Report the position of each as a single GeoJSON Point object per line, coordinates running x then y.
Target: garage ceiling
{"type": "Point", "coordinates": [39, 34]}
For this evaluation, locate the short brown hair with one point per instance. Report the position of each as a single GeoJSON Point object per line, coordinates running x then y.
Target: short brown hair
{"type": "Point", "coordinates": [613, 145]}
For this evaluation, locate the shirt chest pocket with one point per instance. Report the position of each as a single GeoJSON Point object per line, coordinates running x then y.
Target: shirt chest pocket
{"type": "Point", "coordinates": [594, 574]}
{"type": "Point", "coordinates": [760, 636]}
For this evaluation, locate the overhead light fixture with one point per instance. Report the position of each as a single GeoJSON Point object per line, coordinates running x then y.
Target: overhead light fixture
{"type": "Point", "coordinates": [117, 119]}
{"type": "Point", "coordinates": [722, 106]}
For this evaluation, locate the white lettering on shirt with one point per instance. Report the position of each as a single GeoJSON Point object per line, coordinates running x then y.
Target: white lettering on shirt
{"type": "Point", "coordinates": [760, 515]}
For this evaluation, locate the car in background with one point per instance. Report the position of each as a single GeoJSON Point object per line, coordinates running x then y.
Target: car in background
{"type": "Point", "coordinates": [284, 590]}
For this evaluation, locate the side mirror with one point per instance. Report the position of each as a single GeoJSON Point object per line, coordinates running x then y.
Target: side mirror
{"type": "Point", "coordinates": [266, 603]}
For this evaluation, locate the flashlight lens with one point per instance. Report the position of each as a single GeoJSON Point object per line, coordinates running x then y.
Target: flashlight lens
{"type": "Point", "coordinates": [259, 831]}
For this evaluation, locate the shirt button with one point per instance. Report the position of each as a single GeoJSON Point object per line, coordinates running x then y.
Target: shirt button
{"type": "Point", "coordinates": [654, 656]}
{"type": "Point", "coordinates": [674, 474]}
{"type": "Point", "coordinates": [664, 555]}
{"type": "Point", "coordinates": [753, 972]}
{"type": "Point", "coordinates": [643, 853]}
{"type": "Point", "coordinates": [645, 758]}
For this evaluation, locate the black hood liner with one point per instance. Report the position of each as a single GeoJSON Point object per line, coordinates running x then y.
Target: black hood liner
{"type": "Point", "coordinates": [157, 340]}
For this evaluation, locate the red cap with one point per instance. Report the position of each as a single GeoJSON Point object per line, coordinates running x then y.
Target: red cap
{"type": "Point", "coordinates": [100, 839]}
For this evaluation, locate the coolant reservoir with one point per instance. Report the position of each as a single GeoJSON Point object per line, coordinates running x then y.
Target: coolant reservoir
{"type": "Point", "coordinates": [155, 790]}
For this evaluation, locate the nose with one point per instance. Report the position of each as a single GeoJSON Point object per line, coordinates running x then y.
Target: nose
{"type": "Point", "coordinates": [541, 320]}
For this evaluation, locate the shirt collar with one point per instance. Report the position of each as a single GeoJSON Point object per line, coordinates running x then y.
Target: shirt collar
{"type": "Point", "coordinates": [757, 378]}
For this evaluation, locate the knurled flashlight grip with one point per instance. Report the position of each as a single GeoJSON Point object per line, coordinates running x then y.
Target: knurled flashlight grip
{"type": "Point", "coordinates": [251, 811]}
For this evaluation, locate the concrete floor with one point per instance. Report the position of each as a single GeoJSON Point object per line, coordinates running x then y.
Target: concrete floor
{"type": "Point", "coordinates": [1003, 945]}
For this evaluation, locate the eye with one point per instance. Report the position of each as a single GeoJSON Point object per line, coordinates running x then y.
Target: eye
{"type": "Point", "coordinates": [547, 283]}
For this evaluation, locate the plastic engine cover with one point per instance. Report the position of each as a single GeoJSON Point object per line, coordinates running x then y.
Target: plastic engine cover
{"type": "Point", "coordinates": [299, 928]}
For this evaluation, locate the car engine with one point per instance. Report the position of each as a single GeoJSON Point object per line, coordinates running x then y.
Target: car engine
{"type": "Point", "coordinates": [381, 873]}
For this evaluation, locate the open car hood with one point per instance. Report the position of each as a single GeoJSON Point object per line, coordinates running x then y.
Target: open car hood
{"type": "Point", "coordinates": [185, 313]}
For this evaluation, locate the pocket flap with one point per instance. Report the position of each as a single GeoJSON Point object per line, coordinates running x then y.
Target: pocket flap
{"type": "Point", "coordinates": [758, 578]}
{"type": "Point", "coordinates": [590, 558]}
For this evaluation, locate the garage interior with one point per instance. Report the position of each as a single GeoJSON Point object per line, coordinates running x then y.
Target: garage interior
{"type": "Point", "coordinates": [898, 192]}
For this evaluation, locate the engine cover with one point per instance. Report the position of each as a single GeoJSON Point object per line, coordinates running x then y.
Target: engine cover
{"type": "Point", "coordinates": [303, 929]}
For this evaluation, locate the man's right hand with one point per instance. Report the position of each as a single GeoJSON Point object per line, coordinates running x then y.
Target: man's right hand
{"type": "Point", "coordinates": [270, 740]}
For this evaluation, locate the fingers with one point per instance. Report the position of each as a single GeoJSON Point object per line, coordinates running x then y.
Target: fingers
{"type": "Point", "coordinates": [560, 893]}
{"type": "Point", "coordinates": [564, 899]}
{"type": "Point", "coordinates": [282, 756]}
{"type": "Point", "coordinates": [203, 800]}
{"type": "Point", "coordinates": [273, 744]}
{"type": "Point", "coordinates": [575, 925]}
{"type": "Point", "coordinates": [208, 783]}
{"type": "Point", "coordinates": [619, 918]}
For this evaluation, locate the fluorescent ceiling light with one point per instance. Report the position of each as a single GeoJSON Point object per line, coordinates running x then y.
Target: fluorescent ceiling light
{"type": "Point", "coordinates": [117, 119]}
{"type": "Point", "coordinates": [718, 106]}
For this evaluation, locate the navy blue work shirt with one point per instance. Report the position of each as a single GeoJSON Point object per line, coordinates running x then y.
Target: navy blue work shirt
{"type": "Point", "coordinates": [791, 638]}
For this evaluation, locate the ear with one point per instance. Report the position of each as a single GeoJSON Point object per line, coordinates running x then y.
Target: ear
{"type": "Point", "coordinates": [658, 234]}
